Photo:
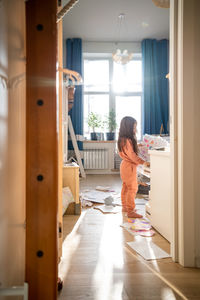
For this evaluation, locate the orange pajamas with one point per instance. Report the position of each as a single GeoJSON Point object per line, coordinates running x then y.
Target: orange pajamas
{"type": "Point", "coordinates": [128, 173]}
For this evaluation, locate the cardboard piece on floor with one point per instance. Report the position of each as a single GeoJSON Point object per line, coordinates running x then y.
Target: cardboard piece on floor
{"type": "Point", "coordinates": [108, 208]}
{"type": "Point", "coordinates": [147, 249]}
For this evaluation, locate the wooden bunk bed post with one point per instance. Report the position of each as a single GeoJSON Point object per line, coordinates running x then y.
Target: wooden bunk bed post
{"type": "Point", "coordinates": [60, 146]}
{"type": "Point", "coordinates": [41, 150]}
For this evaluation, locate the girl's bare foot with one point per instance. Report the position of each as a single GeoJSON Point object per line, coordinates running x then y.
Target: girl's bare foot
{"type": "Point", "coordinates": [133, 214]}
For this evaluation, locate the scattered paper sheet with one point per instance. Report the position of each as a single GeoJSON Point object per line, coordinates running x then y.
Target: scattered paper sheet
{"type": "Point", "coordinates": [108, 208]}
{"type": "Point", "coordinates": [140, 227]}
{"type": "Point", "coordinates": [104, 188]}
{"type": "Point", "coordinates": [85, 203]}
{"type": "Point", "coordinates": [148, 233]}
{"type": "Point", "coordinates": [147, 249]}
{"type": "Point", "coordinates": [99, 196]}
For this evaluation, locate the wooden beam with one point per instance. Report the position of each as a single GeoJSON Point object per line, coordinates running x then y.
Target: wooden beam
{"type": "Point", "coordinates": [60, 155]}
{"type": "Point", "coordinates": [65, 9]}
{"type": "Point", "coordinates": [41, 151]}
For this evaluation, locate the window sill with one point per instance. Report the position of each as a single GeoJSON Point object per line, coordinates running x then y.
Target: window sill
{"type": "Point", "coordinates": [93, 141]}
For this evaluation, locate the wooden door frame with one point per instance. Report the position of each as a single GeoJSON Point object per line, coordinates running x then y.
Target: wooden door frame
{"type": "Point", "coordinates": [41, 150]}
{"type": "Point", "coordinates": [42, 147]}
{"type": "Point", "coordinates": [184, 95]}
{"type": "Point", "coordinates": [173, 127]}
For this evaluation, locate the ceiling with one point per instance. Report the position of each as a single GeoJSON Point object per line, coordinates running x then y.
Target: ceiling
{"type": "Point", "coordinates": [97, 20]}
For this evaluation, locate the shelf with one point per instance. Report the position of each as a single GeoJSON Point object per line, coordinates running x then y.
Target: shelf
{"type": "Point", "coordinates": [145, 172]}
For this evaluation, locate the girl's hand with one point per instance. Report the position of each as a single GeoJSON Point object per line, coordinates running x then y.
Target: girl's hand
{"type": "Point", "coordinates": [146, 164]}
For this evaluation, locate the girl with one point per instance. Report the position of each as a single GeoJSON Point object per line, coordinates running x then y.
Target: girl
{"type": "Point", "coordinates": [128, 151]}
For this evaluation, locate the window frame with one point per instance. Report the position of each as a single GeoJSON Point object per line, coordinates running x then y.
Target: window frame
{"type": "Point", "coordinates": [110, 92]}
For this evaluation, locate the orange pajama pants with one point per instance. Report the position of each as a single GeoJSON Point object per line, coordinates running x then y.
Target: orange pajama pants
{"type": "Point", "coordinates": [128, 173]}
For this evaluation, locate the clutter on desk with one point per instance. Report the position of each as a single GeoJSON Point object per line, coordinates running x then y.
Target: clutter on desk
{"type": "Point", "coordinates": [151, 142]}
{"type": "Point", "coordinates": [143, 189]}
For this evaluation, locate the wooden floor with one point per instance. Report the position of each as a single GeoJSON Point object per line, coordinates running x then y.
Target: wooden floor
{"type": "Point", "coordinates": [97, 264]}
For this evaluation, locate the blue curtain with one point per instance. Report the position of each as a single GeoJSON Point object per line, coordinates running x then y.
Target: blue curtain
{"type": "Point", "coordinates": [74, 62]}
{"type": "Point", "coordinates": [155, 65]}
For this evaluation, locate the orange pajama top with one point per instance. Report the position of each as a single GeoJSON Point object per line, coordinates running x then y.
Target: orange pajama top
{"type": "Point", "coordinates": [130, 161]}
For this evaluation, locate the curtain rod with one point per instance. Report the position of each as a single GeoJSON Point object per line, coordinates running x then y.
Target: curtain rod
{"type": "Point", "coordinates": [66, 9]}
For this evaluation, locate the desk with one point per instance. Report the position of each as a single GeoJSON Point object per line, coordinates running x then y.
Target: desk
{"type": "Point", "coordinates": [71, 179]}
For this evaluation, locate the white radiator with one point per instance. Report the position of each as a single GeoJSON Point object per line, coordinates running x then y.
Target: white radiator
{"type": "Point", "coordinates": [95, 159]}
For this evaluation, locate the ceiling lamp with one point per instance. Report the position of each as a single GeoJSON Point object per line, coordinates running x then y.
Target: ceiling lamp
{"type": "Point", "coordinates": [121, 57]}
{"type": "Point", "coordinates": [162, 3]}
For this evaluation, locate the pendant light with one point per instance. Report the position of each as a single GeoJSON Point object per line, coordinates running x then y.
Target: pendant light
{"type": "Point", "coordinates": [119, 56]}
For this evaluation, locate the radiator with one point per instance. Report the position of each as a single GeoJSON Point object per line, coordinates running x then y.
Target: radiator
{"type": "Point", "coordinates": [95, 159]}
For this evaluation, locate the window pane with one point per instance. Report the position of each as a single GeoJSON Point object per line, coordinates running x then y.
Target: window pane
{"type": "Point", "coordinates": [98, 104]}
{"type": "Point", "coordinates": [128, 78]}
{"type": "Point", "coordinates": [129, 106]}
{"type": "Point", "coordinates": [96, 75]}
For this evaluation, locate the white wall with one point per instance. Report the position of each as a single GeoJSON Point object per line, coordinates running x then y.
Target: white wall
{"type": "Point", "coordinates": [104, 47]}
{"type": "Point", "coordinates": [12, 142]}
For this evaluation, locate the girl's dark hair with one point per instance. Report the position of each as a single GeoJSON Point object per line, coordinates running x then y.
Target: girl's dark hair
{"type": "Point", "coordinates": [126, 132]}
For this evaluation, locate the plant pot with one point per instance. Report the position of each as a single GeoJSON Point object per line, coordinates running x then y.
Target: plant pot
{"type": "Point", "coordinates": [97, 136]}
{"type": "Point", "coordinates": [93, 136]}
{"type": "Point", "coordinates": [110, 136]}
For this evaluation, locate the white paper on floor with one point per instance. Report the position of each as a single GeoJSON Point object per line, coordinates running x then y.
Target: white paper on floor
{"type": "Point", "coordinates": [147, 249]}
{"type": "Point", "coordinates": [104, 188]}
{"type": "Point", "coordinates": [108, 208]}
{"type": "Point", "coordinates": [145, 233]}
{"type": "Point", "coordinates": [127, 227]}
{"type": "Point", "coordinates": [86, 203]}
{"type": "Point", "coordinates": [99, 196]}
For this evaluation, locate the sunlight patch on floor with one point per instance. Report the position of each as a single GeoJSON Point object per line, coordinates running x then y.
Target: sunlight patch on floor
{"type": "Point", "coordinates": [154, 262]}
{"type": "Point", "coordinates": [110, 259]}
{"type": "Point", "coordinates": [170, 286]}
{"type": "Point", "coordinates": [70, 245]}
{"type": "Point", "coordinates": [167, 294]}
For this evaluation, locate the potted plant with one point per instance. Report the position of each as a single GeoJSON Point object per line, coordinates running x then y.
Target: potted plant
{"type": "Point", "coordinates": [94, 121]}
{"type": "Point", "coordinates": [111, 125]}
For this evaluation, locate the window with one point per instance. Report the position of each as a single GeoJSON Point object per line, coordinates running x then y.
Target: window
{"type": "Point", "coordinates": [96, 75]}
{"type": "Point", "coordinates": [95, 103]}
{"type": "Point", "coordinates": [127, 78]}
{"type": "Point", "coordinates": [129, 106]}
{"type": "Point", "coordinates": [108, 85]}
{"type": "Point", "coordinates": [96, 90]}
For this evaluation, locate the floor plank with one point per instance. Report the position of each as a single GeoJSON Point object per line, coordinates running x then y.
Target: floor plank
{"type": "Point", "coordinates": [97, 264]}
